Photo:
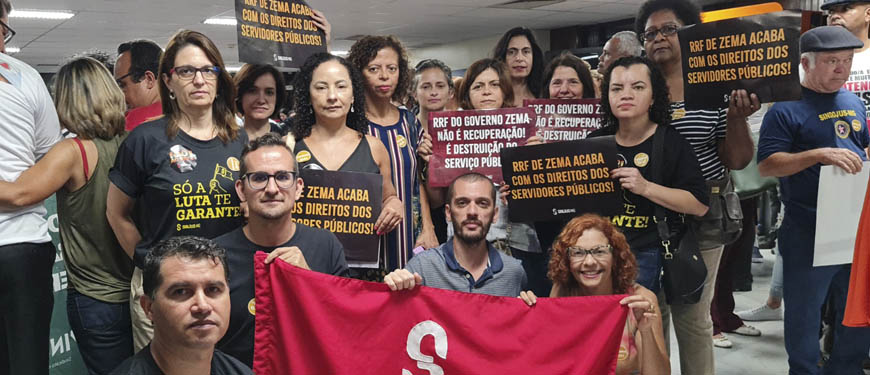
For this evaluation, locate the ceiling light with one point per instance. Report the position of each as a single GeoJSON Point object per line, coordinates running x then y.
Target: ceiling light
{"type": "Point", "coordinates": [233, 68]}
{"type": "Point", "coordinates": [340, 53]}
{"type": "Point", "coordinates": [11, 50]}
{"type": "Point", "coordinates": [42, 14]}
{"type": "Point", "coordinates": [220, 21]}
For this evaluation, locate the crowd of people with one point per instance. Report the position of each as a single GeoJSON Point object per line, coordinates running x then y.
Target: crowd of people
{"type": "Point", "coordinates": [175, 172]}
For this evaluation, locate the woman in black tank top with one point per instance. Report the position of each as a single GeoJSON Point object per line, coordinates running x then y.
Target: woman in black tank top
{"type": "Point", "coordinates": [330, 125]}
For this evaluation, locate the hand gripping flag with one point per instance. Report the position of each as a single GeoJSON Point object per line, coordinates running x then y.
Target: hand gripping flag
{"type": "Point", "coordinates": [310, 323]}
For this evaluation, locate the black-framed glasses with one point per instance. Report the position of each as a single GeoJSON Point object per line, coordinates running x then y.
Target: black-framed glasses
{"type": "Point", "coordinates": [259, 180]}
{"type": "Point", "coordinates": [8, 33]}
{"type": "Point", "coordinates": [120, 80]}
{"type": "Point", "coordinates": [187, 71]}
{"type": "Point", "coordinates": [666, 30]}
{"type": "Point", "coordinates": [597, 252]}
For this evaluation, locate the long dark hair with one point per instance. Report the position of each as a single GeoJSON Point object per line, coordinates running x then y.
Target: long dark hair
{"type": "Point", "coordinates": [574, 62]}
{"type": "Point", "coordinates": [301, 123]}
{"type": "Point", "coordinates": [533, 81]}
{"type": "Point", "coordinates": [659, 112]}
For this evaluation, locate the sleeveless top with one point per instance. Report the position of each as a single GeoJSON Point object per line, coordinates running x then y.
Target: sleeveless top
{"type": "Point", "coordinates": [400, 139]}
{"type": "Point", "coordinates": [96, 264]}
{"type": "Point", "coordinates": [360, 160]}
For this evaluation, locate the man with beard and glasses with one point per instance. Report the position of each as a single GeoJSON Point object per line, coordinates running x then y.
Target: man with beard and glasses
{"type": "Point", "coordinates": [466, 262]}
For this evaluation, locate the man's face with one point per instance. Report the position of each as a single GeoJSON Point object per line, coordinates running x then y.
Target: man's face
{"type": "Point", "coordinates": [855, 17]}
{"type": "Point", "coordinates": [830, 71]}
{"type": "Point", "coordinates": [610, 54]}
{"type": "Point", "coordinates": [136, 94]}
{"type": "Point", "coordinates": [471, 210]}
{"type": "Point", "coordinates": [191, 306]}
{"type": "Point", "coordinates": [663, 49]}
{"type": "Point", "coordinates": [276, 199]}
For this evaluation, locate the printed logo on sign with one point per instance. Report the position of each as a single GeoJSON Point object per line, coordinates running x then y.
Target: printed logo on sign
{"type": "Point", "coordinates": [856, 125]}
{"type": "Point", "coordinates": [303, 156]}
{"type": "Point", "coordinates": [233, 163]}
{"type": "Point", "coordinates": [252, 307]}
{"type": "Point", "coordinates": [182, 159]}
{"type": "Point", "coordinates": [564, 211]}
{"type": "Point", "coordinates": [842, 129]}
{"type": "Point", "coordinates": [401, 141]}
{"type": "Point", "coordinates": [641, 160]}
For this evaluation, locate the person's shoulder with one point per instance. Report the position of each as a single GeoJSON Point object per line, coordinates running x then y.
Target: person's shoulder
{"type": "Point", "coordinates": [154, 129]}
{"type": "Point", "coordinates": [431, 256]}
{"type": "Point", "coordinates": [21, 67]}
{"type": "Point", "coordinates": [511, 264]}
{"type": "Point", "coordinates": [224, 364]}
{"type": "Point", "coordinates": [139, 364]}
{"type": "Point", "coordinates": [603, 131]}
{"type": "Point", "coordinates": [849, 96]}
{"type": "Point", "coordinates": [311, 234]}
{"type": "Point", "coordinates": [231, 238]}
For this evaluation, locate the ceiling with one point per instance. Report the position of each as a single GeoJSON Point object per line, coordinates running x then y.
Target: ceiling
{"type": "Point", "coordinates": [103, 24]}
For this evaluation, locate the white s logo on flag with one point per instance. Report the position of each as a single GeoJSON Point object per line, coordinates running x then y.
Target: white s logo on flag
{"type": "Point", "coordinates": [415, 338]}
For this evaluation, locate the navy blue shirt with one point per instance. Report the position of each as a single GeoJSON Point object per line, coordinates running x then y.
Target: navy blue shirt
{"type": "Point", "coordinates": [817, 120]}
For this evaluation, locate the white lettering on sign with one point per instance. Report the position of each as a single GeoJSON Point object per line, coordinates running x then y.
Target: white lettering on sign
{"type": "Point", "coordinates": [415, 338]}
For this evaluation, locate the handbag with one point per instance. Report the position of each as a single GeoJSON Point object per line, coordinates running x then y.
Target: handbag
{"type": "Point", "coordinates": [723, 223]}
{"type": "Point", "coordinates": [683, 266]}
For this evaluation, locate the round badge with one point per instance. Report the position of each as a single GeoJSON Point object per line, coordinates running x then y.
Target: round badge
{"type": "Point", "coordinates": [678, 114]}
{"type": "Point", "coordinates": [251, 307]}
{"type": "Point", "coordinates": [641, 160]}
{"type": "Point", "coordinates": [303, 156]}
{"type": "Point", "coordinates": [401, 141]}
{"type": "Point", "coordinates": [623, 354]}
{"type": "Point", "coordinates": [842, 129]}
{"type": "Point", "coordinates": [856, 125]}
{"type": "Point", "coordinates": [233, 163]}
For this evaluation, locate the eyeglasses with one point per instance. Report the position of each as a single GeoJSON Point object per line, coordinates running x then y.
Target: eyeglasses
{"type": "Point", "coordinates": [8, 33]}
{"type": "Point", "coordinates": [598, 252]}
{"type": "Point", "coordinates": [259, 180]}
{"type": "Point", "coordinates": [120, 80]}
{"type": "Point", "coordinates": [187, 72]}
{"type": "Point", "coordinates": [666, 30]}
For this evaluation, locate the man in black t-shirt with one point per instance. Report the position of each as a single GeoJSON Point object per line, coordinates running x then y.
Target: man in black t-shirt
{"type": "Point", "coordinates": [270, 186]}
{"type": "Point", "coordinates": [188, 301]}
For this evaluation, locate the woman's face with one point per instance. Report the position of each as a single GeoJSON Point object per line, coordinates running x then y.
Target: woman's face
{"type": "Point", "coordinates": [198, 90]}
{"type": "Point", "coordinates": [519, 57]}
{"type": "Point", "coordinates": [433, 92]}
{"type": "Point", "coordinates": [331, 91]}
{"type": "Point", "coordinates": [259, 101]}
{"type": "Point", "coordinates": [485, 91]}
{"type": "Point", "coordinates": [382, 73]}
{"type": "Point", "coordinates": [565, 84]}
{"type": "Point", "coordinates": [630, 92]}
{"type": "Point", "coordinates": [593, 272]}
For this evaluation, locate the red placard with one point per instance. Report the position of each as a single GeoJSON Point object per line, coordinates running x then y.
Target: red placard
{"type": "Point", "coordinates": [471, 141]}
{"type": "Point", "coordinates": [565, 119]}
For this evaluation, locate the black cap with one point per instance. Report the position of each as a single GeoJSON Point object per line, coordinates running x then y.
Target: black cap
{"type": "Point", "coordinates": [829, 38]}
{"type": "Point", "coordinates": [829, 3]}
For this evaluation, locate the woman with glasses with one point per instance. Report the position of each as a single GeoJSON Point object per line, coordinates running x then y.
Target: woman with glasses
{"type": "Point", "coordinates": [260, 93]}
{"type": "Point", "coordinates": [330, 130]}
{"type": "Point", "coordinates": [524, 58]}
{"type": "Point", "coordinates": [91, 105]}
{"type": "Point", "coordinates": [179, 170]}
{"type": "Point", "coordinates": [591, 258]}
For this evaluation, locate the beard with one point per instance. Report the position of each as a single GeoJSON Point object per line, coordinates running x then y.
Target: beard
{"type": "Point", "coordinates": [470, 238]}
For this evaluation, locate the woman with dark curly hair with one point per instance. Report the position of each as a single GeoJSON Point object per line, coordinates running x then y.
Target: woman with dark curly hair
{"type": "Point", "coordinates": [524, 58]}
{"type": "Point", "coordinates": [384, 66]}
{"type": "Point", "coordinates": [634, 104]}
{"type": "Point", "coordinates": [591, 258]}
{"type": "Point", "coordinates": [330, 128]}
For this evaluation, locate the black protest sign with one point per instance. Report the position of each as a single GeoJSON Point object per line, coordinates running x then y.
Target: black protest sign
{"type": "Point", "coordinates": [345, 203]}
{"type": "Point", "coordinates": [565, 119]}
{"type": "Point", "coordinates": [277, 32]}
{"type": "Point", "coordinates": [561, 180]}
{"type": "Point", "coordinates": [758, 53]}
{"type": "Point", "coordinates": [470, 141]}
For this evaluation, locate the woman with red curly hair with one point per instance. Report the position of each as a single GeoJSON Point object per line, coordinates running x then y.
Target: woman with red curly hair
{"type": "Point", "coordinates": [592, 258]}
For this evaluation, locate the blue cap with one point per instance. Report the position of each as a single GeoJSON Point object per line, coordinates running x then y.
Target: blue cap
{"type": "Point", "coordinates": [829, 38]}
{"type": "Point", "coordinates": [829, 3]}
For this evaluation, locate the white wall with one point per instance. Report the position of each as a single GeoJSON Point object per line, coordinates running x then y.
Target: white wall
{"type": "Point", "coordinates": [459, 55]}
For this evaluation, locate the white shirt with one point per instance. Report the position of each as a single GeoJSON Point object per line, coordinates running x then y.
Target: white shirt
{"type": "Point", "coordinates": [28, 129]}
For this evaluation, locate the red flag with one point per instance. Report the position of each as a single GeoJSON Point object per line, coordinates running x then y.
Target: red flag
{"type": "Point", "coordinates": [858, 301]}
{"type": "Point", "coordinates": [312, 323]}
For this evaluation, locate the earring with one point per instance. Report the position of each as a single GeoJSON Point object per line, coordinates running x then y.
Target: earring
{"type": "Point", "coordinates": [351, 107]}
{"type": "Point", "coordinates": [171, 95]}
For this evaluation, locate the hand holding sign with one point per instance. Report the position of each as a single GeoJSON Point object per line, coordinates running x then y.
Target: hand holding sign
{"type": "Point", "coordinates": [742, 105]}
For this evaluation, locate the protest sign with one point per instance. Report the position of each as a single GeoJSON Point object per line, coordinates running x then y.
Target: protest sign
{"type": "Point", "coordinates": [565, 119]}
{"type": "Point", "coordinates": [345, 203]}
{"type": "Point", "coordinates": [758, 53]}
{"type": "Point", "coordinates": [276, 32]}
{"type": "Point", "coordinates": [561, 180]}
{"type": "Point", "coordinates": [313, 323]}
{"type": "Point", "coordinates": [470, 141]}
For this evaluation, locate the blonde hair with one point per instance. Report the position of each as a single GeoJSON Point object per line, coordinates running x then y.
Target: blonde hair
{"type": "Point", "coordinates": [89, 102]}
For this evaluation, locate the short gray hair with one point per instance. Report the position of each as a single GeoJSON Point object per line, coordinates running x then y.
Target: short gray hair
{"type": "Point", "coordinates": [811, 57]}
{"type": "Point", "coordinates": [628, 43]}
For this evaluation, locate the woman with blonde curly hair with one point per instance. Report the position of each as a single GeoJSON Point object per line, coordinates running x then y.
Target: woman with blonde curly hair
{"type": "Point", "coordinates": [592, 258]}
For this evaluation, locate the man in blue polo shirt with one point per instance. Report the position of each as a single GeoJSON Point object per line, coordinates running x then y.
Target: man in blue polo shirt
{"type": "Point", "coordinates": [826, 127]}
{"type": "Point", "coordinates": [466, 262]}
